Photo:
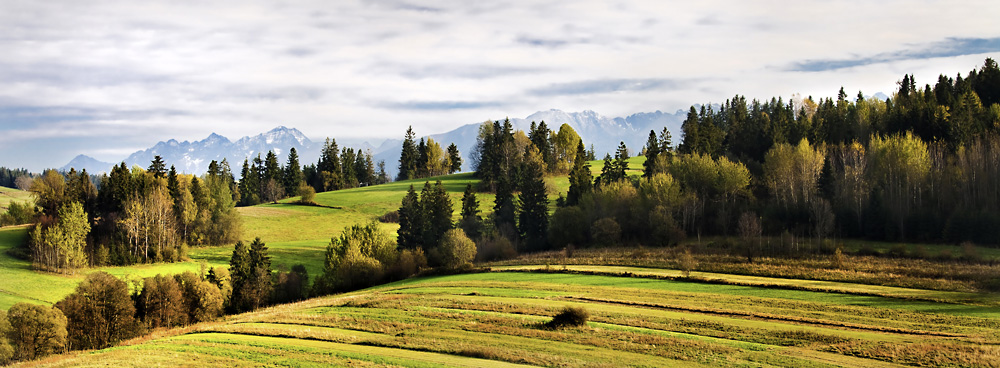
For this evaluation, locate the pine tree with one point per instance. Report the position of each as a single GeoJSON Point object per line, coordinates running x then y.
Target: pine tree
{"type": "Point", "coordinates": [173, 186]}
{"type": "Point", "coordinates": [652, 153]}
{"type": "Point", "coordinates": [411, 223]}
{"type": "Point", "coordinates": [471, 222]}
{"type": "Point", "coordinates": [455, 158]}
{"type": "Point", "coordinates": [328, 168]}
{"type": "Point", "coordinates": [533, 218]}
{"type": "Point", "coordinates": [293, 173]}
{"type": "Point", "coordinates": [540, 137]}
{"type": "Point", "coordinates": [422, 160]}
{"type": "Point", "coordinates": [503, 210]}
{"type": "Point", "coordinates": [437, 208]}
{"type": "Point", "coordinates": [157, 167]}
{"type": "Point", "coordinates": [580, 178]}
{"type": "Point", "coordinates": [621, 162]}
{"type": "Point", "coordinates": [408, 157]}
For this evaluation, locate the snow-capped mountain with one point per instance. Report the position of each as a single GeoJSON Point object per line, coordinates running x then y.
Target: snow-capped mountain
{"type": "Point", "coordinates": [194, 157]}
{"type": "Point", "coordinates": [603, 132]}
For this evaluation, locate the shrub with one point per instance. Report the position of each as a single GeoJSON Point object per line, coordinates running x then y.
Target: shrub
{"type": "Point", "coordinates": [838, 260]}
{"type": "Point", "coordinates": [202, 300]}
{"type": "Point", "coordinates": [569, 317]}
{"type": "Point", "coordinates": [566, 226]}
{"type": "Point", "coordinates": [663, 228]}
{"type": "Point", "coordinates": [100, 313]}
{"type": "Point", "coordinates": [410, 262]}
{"type": "Point", "coordinates": [495, 247]}
{"type": "Point", "coordinates": [358, 271]}
{"type": "Point", "coordinates": [687, 262]}
{"type": "Point", "coordinates": [391, 217]}
{"type": "Point", "coordinates": [455, 251]}
{"type": "Point", "coordinates": [160, 303]}
{"type": "Point", "coordinates": [606, 232]}
{"type": "Point", "coordinates": [291, 286]}
{"type": "Point", "coordinates": [35, 331]}
{"type": "Point", "coordinates": [307, 193]}
{"type": "Point", "coordinates": [969, 252]}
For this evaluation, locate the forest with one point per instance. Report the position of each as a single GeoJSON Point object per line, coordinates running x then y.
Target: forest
{"type": "Point", "coordinates": [919, 166]}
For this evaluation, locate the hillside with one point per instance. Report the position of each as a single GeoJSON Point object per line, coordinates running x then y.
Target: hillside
{"type": "Point", "coordinates": [497, 319]}
{"type": "Point", "coordinates": [8, 195]}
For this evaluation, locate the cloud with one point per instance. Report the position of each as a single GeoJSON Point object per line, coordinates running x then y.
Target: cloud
{"type": "Point", "coordinates": [947, 48]}
{"type": "Point", "coordinates": [442, 105]}
{"type": "Point", "coordinates": [604, 86]}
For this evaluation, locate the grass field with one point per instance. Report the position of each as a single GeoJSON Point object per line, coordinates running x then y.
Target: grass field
{"type": "Point", "coordinates": [495, 319]}
{"type": "Point", "coordinates": [8, 195]}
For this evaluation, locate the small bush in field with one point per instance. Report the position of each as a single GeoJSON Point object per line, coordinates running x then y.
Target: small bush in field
{"type": "Point", "coordinates": [391, 217]}
{"type": "Point", "coordinates": [969, 252]}
{"type": "Point", "coordinates": [606, 232]}
{"type": "Point", "coordinates": [838, 258]}
{"type": "Point", "coordinates": [569, 317]}
{"type": "Point", "coordinates": [687, 262]}
{"type": "Point", "coordinates": [308, 194]}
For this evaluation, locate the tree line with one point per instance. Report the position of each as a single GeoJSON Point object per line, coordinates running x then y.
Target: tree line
{"type": "Point", "coordinates": [426, 158]}
{"type": "Point", "coordinates": [267, 180]}
{"type": "Point", "coordinates": [137, 216]}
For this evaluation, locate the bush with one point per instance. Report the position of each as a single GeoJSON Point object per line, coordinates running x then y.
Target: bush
{"type": "Point", "coordinates": [569, 317]}
{"type": "Point", "coordinates": [687, 262]}
{"type": "Point", "coordinates": [455, 251]}
{"type": "Point", "coordinates": [291, 286]}
{"type": "Point", "coordinates": [409, 263]}
{"type": "Point", "coordinates": [566, 226]}
{"type": "Point", "coordinates": [35, 331]}
{"type": "Point", "coordinates": [606, 232]}
{"type": "Point", "coordinates": [307, 194]}
{"type": "Point", "coordinates": [391, 217]}
{"type": "Point", "coordinates": [161, 303]}
{"type": "Point", "coordinates": [970, 253]}
{"type": "Point", "coordinates": [495, 247]}
{"type": "Point", "coordinates": [358, 271]}
{"type": "Point", "coordinates": [202, 300]}
{"type": "Point", "coordinates": [100, 313]}
{"type": "Point", "coordinates": [663, 228]}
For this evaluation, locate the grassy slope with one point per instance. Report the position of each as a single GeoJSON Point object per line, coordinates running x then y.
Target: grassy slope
{"type": "Point", "coordinates": [294, 234]}
{"type": "Point", "coordinates": [447, 320]}
{"type": "Point", "coordinates": [8, 195]}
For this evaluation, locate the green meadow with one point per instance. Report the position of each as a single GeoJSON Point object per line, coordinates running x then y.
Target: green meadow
{"type": "Point", "coordinates": [497, 319]}
{"type": "Point", "coordinates": [644, 311]}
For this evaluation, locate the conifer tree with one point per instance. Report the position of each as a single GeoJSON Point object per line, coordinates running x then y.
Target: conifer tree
{"type": "Point", "coordinates": [580, 177]}
{"type": "Point", "coordinates": [437, 209]}
{"type": "Point", "coordinates": [293, 173]}
{"type": "Point", "coordinates": [652, 153]}
{"type": "Point", "coordinates": [157, 167]}
{"type": "Point", "coordinates": [408, 157]}
{"type": "Point", "coordinates": [533, 218]}
{"type": "Point", "coordinates": [455, 158]}
{"type": "Point", "coordinates": [411, 222]}
{"type": "Point", "coordinates": [471, 222]}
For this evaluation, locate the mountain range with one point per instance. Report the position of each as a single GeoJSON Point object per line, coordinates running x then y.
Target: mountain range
{"type": "Point", "coordinates": [603, 132]}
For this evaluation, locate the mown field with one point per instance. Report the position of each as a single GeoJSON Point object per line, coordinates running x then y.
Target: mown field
{"type": "Point", "coordinates": [497, 319]}
{"type": "Point", "coordinates": [8, 195]}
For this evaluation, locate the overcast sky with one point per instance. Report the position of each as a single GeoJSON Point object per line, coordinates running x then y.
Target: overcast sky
{"type": "Point", "coordinates": [107, 78]}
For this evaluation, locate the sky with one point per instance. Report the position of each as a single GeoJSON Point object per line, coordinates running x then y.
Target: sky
{"type": "Point", "coordinates": [107, 78]}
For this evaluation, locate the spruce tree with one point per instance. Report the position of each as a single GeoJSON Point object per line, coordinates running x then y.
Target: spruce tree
{"type": "Point", "coordinates": [471, 222]}
{"type": "Point", "coordinates": [408, 157]}
{"type": "Point", "coordinates": [157, 167]}
{"type": "Point", "coordinates": [652, 152]}
{"type": "Point", "coordinates": [456, 159]}
{"type": "Point", "coordinates": [411, 224]}
{"type": "Point", "coordinates": [328, 168]}
{"type": "Point", "coordinates": [533, 219]}
{"type": "Point", "coordinates": [580, 177]}
{"type": "Point", "coordinates": [421, 171]}
{"type": "Point", "coordinates": [437, 209]}
{"type": "Point", "coordinates": [293, 173]}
